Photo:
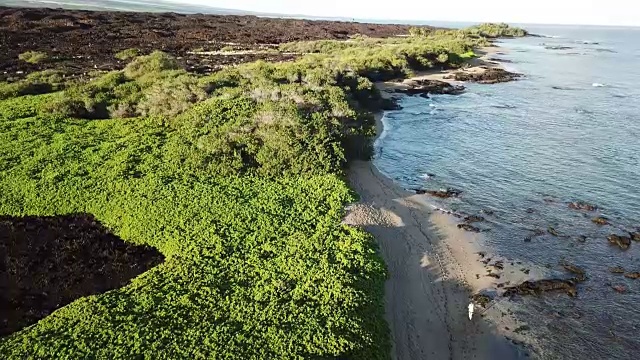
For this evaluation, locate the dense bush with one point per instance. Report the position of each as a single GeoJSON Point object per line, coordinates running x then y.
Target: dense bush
{"type": "Point", "coordinates": [150, 64]}
{"type": "Point", "coordinates": [33, 57]}
{"type": "Point", "coordinates": [40, 82]}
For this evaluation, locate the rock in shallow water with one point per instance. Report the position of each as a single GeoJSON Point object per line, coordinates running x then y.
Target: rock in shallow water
{"type": "Point", "coordinates": [600, 220]}
{"type": "Point", "coordinates": [580, 205]}
{"type": "Point", "coordinates": [425, 87]}
{"type": "Point", "coordinates": [623, 242]}
{"type": "Point", "coordinates": [489, 76]}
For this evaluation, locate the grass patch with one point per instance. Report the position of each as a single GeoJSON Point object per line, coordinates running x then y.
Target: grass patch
{"type": "Point", "coordinates": [33, 57]}
{"type": "Point", "coordinates": [127, 54]}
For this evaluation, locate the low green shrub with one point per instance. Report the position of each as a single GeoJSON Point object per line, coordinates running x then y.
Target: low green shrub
{"type": "Point", "coordinates": [33, 57]}
{"type": "Point", "coordinates": [155, 62]}
{"type": "Point", "coordinates": [127, 54]}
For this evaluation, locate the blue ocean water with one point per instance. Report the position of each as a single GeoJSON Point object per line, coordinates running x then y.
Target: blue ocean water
{"type": "Point", "coordinates": [569, 131]}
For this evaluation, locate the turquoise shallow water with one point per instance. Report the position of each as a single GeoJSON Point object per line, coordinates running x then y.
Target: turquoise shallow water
{"type": "Point", "coordinates": [569, 131]}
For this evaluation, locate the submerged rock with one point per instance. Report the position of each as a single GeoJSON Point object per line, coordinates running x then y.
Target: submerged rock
{"type": "Point", "coordinates": [580, 205]}
{"type": "Point", "coordinates": [469, 227]}
{"type": "Point", "coordinates": [635, 236]}
{"type": "Point", "coordinates": [538, 287]}
{"type": "Point", "coordinates": [616, 270]}
{"type": "Point", "coordinates": [558, 47]}
{"type": "Point", "coordinates": [581, 274]}
{"type": "Point", "coordinates": [621, 241]}
{"type": "Point", "coordinates": [424, 87]}
{"type": "Point", "coordinates": [444, 194]}
{"type": "Point", "coordinates": [489, 76]}
{"type": "Point", "coordinates": [481, 299]}
{"type": "Point", "coordinates": [600, 220]}
{"type": "Point", "coordinates": [619, 288]}
{"type": "Point", "coordinates": [633, 275]}
{"type": "Point", "coordinates": [473, 218]}
{"type": "Point", "coordinates": [552, 231]}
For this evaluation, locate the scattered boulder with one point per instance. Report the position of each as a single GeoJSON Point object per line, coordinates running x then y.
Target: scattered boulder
{"type": "Point", "coordinates": [482, 254]}
{"type": "Point", "coordinates": [501, 60]}
{"type": "Point", "coordinates": [538, 287]}
{"type": "Point", "coordinates": [481, 300]}
{"type": "Point", "coordinates": [623, 242]}
{"type": "Point", "coordinates": [600, 220]}
{"type": "Point", "coordinates": [574, 269]}
{"type": "Point", "coordinates": [552, 231]}
{"type": "Point", "coordinates": [425, 87]}
{"type": "Point", "coordinates": [495, 276]}
{"type": "Point", "coordinates": [619, 288]}
{"type": "Point", "coordinates": [582, 238]}
{"type": "Point", "coordinates": [490, 212]}
{"type": "Point", "coordinates": [473, 218]}
{"type": "Point", "coordinates": [633, 275]}
{"type": "Point", "coordinates": [635, 236]}
{"type": "Point", "coordinates": [499, 265]}
{"type": "Point", "coordinates": [469, 227]}
{"type": "Point", "coordinates": [489, 76]}
{"type": "Point", "coordinates": [616, 270]}
{"type": "Point", "coordinates": [580, 205]}
{"type": "Point", "coordinates": [536, 233]}
{"type": "Point", "coordinates": [444, 194]}
{"type": "Point", "coordinates": [521, 329]}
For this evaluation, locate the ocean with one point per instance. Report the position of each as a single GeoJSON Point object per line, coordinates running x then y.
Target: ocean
{"type": "Point", "coordinates": [568, 131]}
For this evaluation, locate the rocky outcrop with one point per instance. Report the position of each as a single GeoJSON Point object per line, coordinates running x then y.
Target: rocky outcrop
{"type": "Point", "coordinates": [469, 227]}
{"type": "Point", "coordinates": [600, 220]}
{"type": "Point", "coordinates": [633, 275]}
{"type": "Point", "coordinates": [425, 87]}
{"type": "Point", "coordinates": [623, 242]}
{"type": "Point", "coordinates": [616, 270]}
{"type": "Point", "coordinates": [538, 287]}
{"type": "Point", "coordinates": [489, 76]}
{"type": "Point", "coordinates": [443, 194]}
{"type": "Point", "coordinates": [580, 205]}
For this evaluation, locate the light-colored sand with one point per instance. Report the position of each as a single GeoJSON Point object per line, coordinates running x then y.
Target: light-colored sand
{"type": "Point", "coordinates": [433, 270]}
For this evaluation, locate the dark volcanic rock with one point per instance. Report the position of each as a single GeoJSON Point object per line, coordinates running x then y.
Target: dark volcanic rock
{"type": "Point", "coordinates": [81, 41]}
{"type": "Point", "coordinates": [575, 270]}
{"type": "Point", "coordinates": [425, 87]}
{"type": "Point", "coordinates": [633, 275]}
{"type": "Point", "coordinates": [600, 220]}
{"type": "Point", "coordinates": [579, 205]}
{"type": "Point", "coordinates": [616, 270]}
{"type": "Point", "coordinates": [473, 218]}
{"type": "Point", "coordinates": [481, 299]}
{"type": "Point", "coordinates": [538, 287]}
{"type": "Point", "coordinates": [444, 194]}
{"type": "Point", "coordinates": [490, 76]}
{"type": "Point", "coordinates": [635, 236]}
{"type": "Point", "coordinates": [469, 227]}
{"type": "Point", "coordinates": [622, 241]}
{"type": "Point", "coordinates": [552, 231]}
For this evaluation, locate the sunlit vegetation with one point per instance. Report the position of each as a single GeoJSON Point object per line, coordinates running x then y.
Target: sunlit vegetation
{"type": "Point", "coordinates": [127, 54]}
{"type": "Point", "coordinates": [491, 30]}
{"type": "Point", "coordinates": [236, 177]}
{"type": "Point", "coordinates": [33, 57]}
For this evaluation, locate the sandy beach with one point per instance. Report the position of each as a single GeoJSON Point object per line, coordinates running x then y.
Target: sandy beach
{"type": "Point", "coordinates": [434, 269]}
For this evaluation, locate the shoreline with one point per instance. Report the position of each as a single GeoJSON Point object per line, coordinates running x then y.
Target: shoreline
{"type": "Point", "coordinates": [434, 267]}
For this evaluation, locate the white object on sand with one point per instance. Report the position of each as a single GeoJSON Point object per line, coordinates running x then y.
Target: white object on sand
{"type": "Point", "coordinates": [471, 310]}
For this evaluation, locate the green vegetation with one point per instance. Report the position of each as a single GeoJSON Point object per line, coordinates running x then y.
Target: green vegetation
{"type": "Point", "coordinates": [384, 59]}
{"type": "Point", "coordinates": [490, 30]}
{"type": "Point", "coordinates": [33, 57]}
{"type": "Point", "coordinates": [236, 177]}
{"type": "Point", "coordinates": [127, 54]}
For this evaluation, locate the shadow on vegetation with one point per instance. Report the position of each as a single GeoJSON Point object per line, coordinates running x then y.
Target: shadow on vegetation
{"type": "Point", "coordinates": [48, 262]}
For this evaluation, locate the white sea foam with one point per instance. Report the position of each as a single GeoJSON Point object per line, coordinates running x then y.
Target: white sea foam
{"type": "Point", "coordinates": [598, 85]}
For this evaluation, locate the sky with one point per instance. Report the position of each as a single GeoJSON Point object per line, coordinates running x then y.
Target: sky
{"type": "Point", "coordinates": [588, 12]}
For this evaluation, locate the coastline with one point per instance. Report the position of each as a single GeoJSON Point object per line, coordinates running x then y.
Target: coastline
{"type": "Point", "coordinates": [434, 267]}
